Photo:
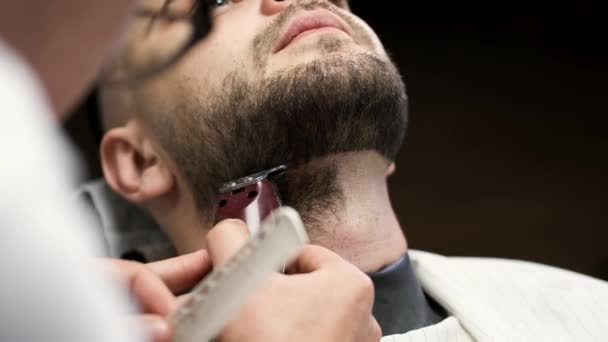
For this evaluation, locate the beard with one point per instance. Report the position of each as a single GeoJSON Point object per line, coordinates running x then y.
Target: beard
{"type": "Point", "coordinates": [334, 104]}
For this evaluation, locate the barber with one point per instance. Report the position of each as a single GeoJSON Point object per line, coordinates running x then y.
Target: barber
{"type": "Point", "coordinates": [50, 54]}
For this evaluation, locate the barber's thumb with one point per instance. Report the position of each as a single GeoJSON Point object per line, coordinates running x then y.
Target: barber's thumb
{"type": "Point", "coordinates": [225, 239]}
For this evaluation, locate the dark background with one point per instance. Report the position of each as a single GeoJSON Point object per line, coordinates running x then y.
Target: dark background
{"type": "Point", "coordinates": [507, 149]}
{"type": "Point", "coordinates": [506, 152]}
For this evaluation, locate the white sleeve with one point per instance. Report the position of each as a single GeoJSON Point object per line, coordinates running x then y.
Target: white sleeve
{"type": "Point", "coordinates": [47, 290]}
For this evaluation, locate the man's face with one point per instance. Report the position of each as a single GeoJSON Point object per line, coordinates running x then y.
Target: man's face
{"type": "Point", "coordinates": [276, 82]}
{"type": "Point", "coordinates": [259, 38]}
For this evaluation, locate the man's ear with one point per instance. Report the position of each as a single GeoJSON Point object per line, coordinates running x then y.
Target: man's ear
{"type": "Point", "coordinates": [132, 165]}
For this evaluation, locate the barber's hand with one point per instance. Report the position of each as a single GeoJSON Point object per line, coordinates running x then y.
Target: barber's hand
{"type": "Point", "coordinates": [154, 286]}
{"type": "Point", "coordinates": [322, 298]}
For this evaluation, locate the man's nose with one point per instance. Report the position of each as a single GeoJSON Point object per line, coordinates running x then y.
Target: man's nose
{"type": "Point", "coordinates": [270, 7]}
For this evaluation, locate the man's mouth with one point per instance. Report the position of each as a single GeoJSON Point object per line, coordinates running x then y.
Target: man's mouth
{"type": "Point", "coordinates": [309, 22]}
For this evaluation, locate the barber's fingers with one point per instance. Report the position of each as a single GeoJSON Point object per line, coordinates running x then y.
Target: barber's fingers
{"type": "Point", "coordinates": [151, 293]}
{"type": "Point", "coordinates": [225, 239]}
{"type": "Point", "coordinates": [156, 328]}
{"type": "Point", "coordinates": [312, 258]}
{"type": "Point", "coordinates": [183, 272]}
{"type": "Point", "coordinates": [181, 300]}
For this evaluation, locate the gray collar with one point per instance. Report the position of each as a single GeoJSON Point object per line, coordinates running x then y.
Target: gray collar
{"type": "Point", "coordinates": [400, 303]}
{"type": "Point", "coordinates": [128, 231]}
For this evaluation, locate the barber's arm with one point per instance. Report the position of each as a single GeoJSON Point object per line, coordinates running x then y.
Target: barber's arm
{"type": "Point", "coordinates": [322, 298]}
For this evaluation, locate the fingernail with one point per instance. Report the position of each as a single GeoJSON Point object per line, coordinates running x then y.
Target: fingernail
{"type": "Point", "coordinates": [158, 329]}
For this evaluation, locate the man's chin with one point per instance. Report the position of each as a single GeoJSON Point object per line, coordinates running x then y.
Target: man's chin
{"type": "Point", "coordinates": [324, 50]}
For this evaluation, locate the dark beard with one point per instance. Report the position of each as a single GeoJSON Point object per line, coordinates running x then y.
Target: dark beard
{"type": "Point", "coordinates": [337, 103]}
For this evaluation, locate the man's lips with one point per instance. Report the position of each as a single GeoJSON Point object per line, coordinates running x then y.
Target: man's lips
{"type": "Point", "coordinates": [307, 21]}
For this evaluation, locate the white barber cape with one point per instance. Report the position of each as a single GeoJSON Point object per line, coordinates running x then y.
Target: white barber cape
{"type": "Point", "coordinates": [505, 300]}
{"type": "Point", "coordinates": [48, 290]}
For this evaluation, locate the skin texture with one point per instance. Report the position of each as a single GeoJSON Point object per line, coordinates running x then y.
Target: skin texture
{"type": "Point", "coordinates": [66, 60]}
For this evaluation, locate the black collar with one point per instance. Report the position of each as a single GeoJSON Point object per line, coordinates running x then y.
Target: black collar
{"type": "Point", "coordinates": [400, 303]}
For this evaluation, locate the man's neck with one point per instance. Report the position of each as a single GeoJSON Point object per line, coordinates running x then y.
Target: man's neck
{"type": "Point", "coordinates": [364, 229]}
